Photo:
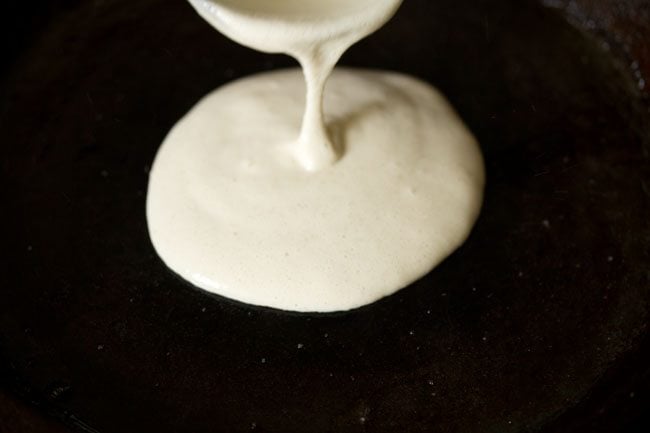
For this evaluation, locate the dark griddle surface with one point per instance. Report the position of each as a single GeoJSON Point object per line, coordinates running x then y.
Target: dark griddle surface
{"type": "Point", "coordinates": [549, 294]}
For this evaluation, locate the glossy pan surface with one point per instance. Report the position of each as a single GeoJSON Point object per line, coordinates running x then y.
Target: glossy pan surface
{"type": "Point", "coordinates": [538, 322]}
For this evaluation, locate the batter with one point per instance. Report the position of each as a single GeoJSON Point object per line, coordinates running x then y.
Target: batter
{"type": "Point", "coordinates": [259, 195]}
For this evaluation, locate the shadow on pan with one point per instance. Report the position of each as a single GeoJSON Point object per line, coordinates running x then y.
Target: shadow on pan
{"type": "Point", "coordinates": [538, 323]}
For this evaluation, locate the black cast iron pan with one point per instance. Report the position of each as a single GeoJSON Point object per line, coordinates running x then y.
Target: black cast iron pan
{"type": "Point", "coordinates": [538, 323]}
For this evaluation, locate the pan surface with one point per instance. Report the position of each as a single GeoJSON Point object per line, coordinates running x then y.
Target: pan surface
{"type": "Point", "coordinates": [546, 304]}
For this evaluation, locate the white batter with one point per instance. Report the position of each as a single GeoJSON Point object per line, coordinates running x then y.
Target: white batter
{"type": "Point", "coordinates": [316, 33]}
{"type": "Point", "coordinates": [252, 198]}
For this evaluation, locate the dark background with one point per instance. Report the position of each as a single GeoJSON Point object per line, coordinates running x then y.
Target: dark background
{"type": "Point", "coordinates": [625, 25]}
